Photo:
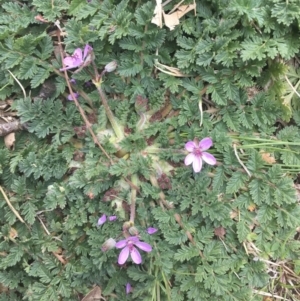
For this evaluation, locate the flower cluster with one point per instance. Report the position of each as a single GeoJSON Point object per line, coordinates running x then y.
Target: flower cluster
{"type": "Point", "coordinates": [128, 245]}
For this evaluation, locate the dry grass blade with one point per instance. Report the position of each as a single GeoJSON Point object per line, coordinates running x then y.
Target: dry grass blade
{"type": "Point", "coordinates": [269, 295]}
{"type": "Point", "coordinates": [169, 70]}
{"type": "Point", "coordinates": [240, 161]}
{"type": "Point", "coordinates": [16, 213]}
{"type": "Point", "coordinates": [24, 93]}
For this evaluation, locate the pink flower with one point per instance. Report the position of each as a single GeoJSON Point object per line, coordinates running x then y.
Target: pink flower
{"type": "Point", "coordinates": [197, 153]}
{"type": "Point", "coordinates": [129, 247]}
{"type": "Point", "coordinates": [76, 59]}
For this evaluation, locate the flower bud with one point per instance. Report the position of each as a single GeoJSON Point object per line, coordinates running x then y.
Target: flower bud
{"type": "Point", "coordinates": [110, 67]}
{"type": "Point", "coordinates": [133, 231]}
{"type": "Point", "coordinates": [108, 244]}
{"type": "Point", "coordinates": [126, 226]}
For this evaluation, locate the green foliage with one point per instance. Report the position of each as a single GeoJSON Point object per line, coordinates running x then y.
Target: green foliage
{"type": "Point", "coordinates": [218, 230]}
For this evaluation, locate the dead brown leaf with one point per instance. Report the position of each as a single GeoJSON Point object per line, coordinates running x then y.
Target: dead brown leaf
{"type": "Point", "coordinates": [220, 232]}
{"type": "Point", "coordinates": [3, 289]}
{"type": "Point", "coordinates": [251, 207]}
{"type": "Point", "coordinates": [94, 295]}
{"type": "Point", "coordinates": [172, 18]}
{"type": "Point", "coordinates": [297, 187]}
{"type": "Point", "coordinates": [267, 157]}
{"type": "Point", "coordinates": [233, 214]}
{"type": "Point", "coordinates": [9, 140]}
{"type": "Point", "coordinates": [158, 11]}
{"type": "Point", "coordinates": [59, 255]}
{"type": "Point", "coordinates": [13, 233]}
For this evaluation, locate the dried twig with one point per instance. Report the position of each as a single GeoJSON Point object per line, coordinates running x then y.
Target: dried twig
{"type": "Point", "coordinates": [9, 127]}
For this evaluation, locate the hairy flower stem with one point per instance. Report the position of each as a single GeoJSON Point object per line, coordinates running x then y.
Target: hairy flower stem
{"type": "Point", "coordinates": [134, 180]}
{"type": "Point", "coordinates": [116, 127]}
{"type": "Point", "coordinates": [81, 111]}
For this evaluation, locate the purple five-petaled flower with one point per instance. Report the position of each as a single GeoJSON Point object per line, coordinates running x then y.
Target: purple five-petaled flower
{"type": "Point", "coordinates": [197, 154]}
{"type": "Point", "coordinates": [129, 248]}
{"type": "Point", "coordinates": [77, 58]}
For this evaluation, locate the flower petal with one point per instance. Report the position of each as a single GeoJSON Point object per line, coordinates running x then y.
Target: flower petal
{"type": "Point", "coordinates": [189, 159]}
{"type": "Point", "coordinates": [123, 256]}
{"type": "Point", "coordinates": [143, 246]}
{"type": "Point", "coordinates": [121, 244]}
{"type": "Point", "coordinates": [102, 219]}
{"type": "Point", "coordinates": [67, 68]}
{"type": "Point", "coordinates": [72, 61]}
{"type": "Point", "coordinates": [189, 146]}
{"type": "Point", "coordinates": [128, 288]}
{"type": "Point", "coordinates": [151, 230]}
{"type": "Point", "coordinates": [208, 158]}
{"type": "Point", "coordinates": [197, 164]}
{"type": "Point", "coordinates": [87, 49]}
{"type": "Point", "coordinates": [205, 143]}
{"type": "Point", "coordinates": [112, 218]}
{"type": "Point", "coordinates": [135, 255]}
{"type": "Point", "coordinates": [132, 238]}
{"type": "Point", "coordinates": [70, 97]}
{"type": "Point", "coordinates": [77, 55]}
{"type": "Point", "coordinates": [69, 61]}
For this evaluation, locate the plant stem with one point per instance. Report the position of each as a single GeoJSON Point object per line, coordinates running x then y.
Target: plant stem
{"type": "Point", "coordinates": [116, 127]}
{"type": "Point", "coordinates": [134, 180]}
